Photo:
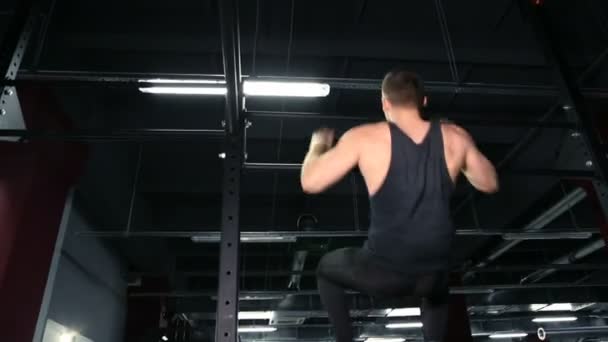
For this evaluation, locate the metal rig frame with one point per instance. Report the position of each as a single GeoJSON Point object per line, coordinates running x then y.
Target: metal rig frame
{"type": "Point", "coordinates": [567, 89]}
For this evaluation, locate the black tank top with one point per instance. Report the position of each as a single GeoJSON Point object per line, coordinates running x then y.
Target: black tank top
{"type": "Point", "coordinates": [411, 228]}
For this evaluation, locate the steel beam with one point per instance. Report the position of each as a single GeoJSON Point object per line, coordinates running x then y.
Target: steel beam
{"type": "Point", "coordinates": [561, 173]}
{"type": "Point", "coordinates": [473, 289]}
{"type": "Point", "coordinates": [75, 78]}
{"type": "Point", "coordinates": [12, 51]}
{"type": "Point", "coordinates": [460, 118]}
{"type": "Point", "coordinates": [567, 259]}
{"type": "Point", "coordinates": [289, 236]}
{"type": "Point", "coordinates": [109, 135]}
{"type": "Point", "coordinates": [486, 269]}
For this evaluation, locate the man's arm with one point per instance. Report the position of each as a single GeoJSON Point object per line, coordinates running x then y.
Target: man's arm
{"type": "Point", "coordinates": [324, 166]}
{"type": "Point", "coordinates": [477, 168]}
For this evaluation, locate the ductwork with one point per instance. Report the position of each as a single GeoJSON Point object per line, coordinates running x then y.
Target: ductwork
{"type": "Point", "coordinates": [539, 223]}
{"type": "Point", "coordinates": [565, 260]}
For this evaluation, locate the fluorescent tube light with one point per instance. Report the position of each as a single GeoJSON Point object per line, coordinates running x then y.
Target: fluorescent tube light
{"type": "Point", "coordinates": [404, 312]}
{"type": "Point", "coordinates": [165, 81]}
{"type": "Point", "coordinates": [256, 314]}
{"type": "Point", "coordinates": [385, 339]}
{"type": "Point", "coordinates": [552, 307]}
{"type": "Point", "coordinates": [554, 319]}
{"type": "Point", "coordinates": [185, 90]}
{"type": "Point", "coordinates": [244, 239]}
{"type": "Point", "coordinates": [252, 329]}
{"type": "Point", "coordinates": [408, 325]}
{"type": "Point", "coordinates": [508, 335]}
{"type": "Point", "coordinates": [296, 89]}
{"type": "Point", "coordinates": [250, 88]}
{"type": "Point", "coordinates": [268, 239]}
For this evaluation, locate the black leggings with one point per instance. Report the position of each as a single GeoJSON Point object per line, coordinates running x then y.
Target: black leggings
{"type": "Point", "coordinates": [358, 269]}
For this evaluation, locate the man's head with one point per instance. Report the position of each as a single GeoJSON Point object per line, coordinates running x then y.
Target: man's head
{"type": "Point", "coordinates": [402, 89]}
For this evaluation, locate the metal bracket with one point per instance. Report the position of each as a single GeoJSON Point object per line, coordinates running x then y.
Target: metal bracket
{"type": "Point", "coordinates": [11, 116]}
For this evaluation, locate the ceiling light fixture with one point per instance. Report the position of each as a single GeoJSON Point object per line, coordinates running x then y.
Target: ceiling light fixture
{"type": "Point", "coordinates": [385, 339]}
{"type": "Point", "coordinates": [508, 335]}
{"type": "Point", "coordinates": [554, 319]}
{"type": "Point", "coordinates": [295, 89]}
{"type": "Point", "coordinates": [170, 81]}
{"type": "Point", "coordinates": [552, 307]}
{"type": "Point", "coordinates": [244, 239]}
{"type": "Point", "coordinates": [185, 90]}
{"type": "Point", "coordinates": [254, 329]}
{"type": "Point", "coordinates": [256, 314]}
{"type": "Point", "coordinates": [250, 88]}
{"type": "Point", "coordinates": [404, 312]}
{"type": "Point", "coordinates": [408, 325]}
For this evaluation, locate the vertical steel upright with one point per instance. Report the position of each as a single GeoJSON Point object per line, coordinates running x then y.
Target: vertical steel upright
{"type": "Point", "coordinates": [12, 50]}
{"type": "Point", "coordinates": [228, 285]}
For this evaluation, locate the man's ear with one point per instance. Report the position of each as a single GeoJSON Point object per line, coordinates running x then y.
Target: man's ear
{"type": "Point", "coordinates": [386, 106]}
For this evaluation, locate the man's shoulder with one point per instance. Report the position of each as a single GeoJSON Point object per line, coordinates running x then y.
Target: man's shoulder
{"type": "Point", "coordinates": [453, 131]}
{"type": "Point", "coordinates": [367, 129]}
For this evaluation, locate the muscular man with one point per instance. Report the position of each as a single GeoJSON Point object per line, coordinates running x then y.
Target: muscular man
{"type": "Point", "coordinates": [410, 166]}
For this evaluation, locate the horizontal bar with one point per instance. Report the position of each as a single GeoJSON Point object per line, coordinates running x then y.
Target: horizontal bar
{"type": "Point", "coordinates": [253, 236]}
{"type": "Point", "coordinates": [487, 269]}
{"type": "Point", "coordinates": [582, 174]}
{"type": "Point", "coordinates": [475, 289]}
{"type": "Point", "coordinates": [77, 78]}
{"type": "Point", "coordinates": [140, 134]}
{"type": "Point", "coordinates": [548, 236]}
{"type": "Point", "coordinates": [130, 80]}
{"type": "Point", "coordinates": [455, 118]}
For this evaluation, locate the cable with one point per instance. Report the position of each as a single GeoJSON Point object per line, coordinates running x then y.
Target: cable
{"type": "Point", "coordinates": [255, 36]}
{"type": "Point", "coordinates": [447, 41]}
{"type": "Point", "coordinates": [135, 181]}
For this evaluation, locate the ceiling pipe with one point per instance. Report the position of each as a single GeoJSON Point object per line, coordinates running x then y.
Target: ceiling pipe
{"type": "Point", "coordinates": [565, 204]}
{"type": "Point", "coordinates": [567, 259]}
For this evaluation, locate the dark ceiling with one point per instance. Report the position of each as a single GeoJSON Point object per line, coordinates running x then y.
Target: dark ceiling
{"type": "Point", "coordinates": [167, 186]}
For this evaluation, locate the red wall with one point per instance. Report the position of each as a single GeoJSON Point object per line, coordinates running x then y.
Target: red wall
{"type": "Point", "coordinates": [35, 178]}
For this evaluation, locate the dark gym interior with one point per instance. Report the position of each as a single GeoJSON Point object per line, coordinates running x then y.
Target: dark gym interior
{"type": "Point", "coordinates": [113, 201]}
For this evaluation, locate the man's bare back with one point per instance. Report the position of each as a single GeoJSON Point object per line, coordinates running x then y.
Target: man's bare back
{"type": "Point", "coordinates": [369, 147]}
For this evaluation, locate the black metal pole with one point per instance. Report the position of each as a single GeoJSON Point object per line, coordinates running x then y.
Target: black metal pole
{"type": "Point", "coordinates": [229, 30]}
{"type": "Point", "coordinates": [226, 329]}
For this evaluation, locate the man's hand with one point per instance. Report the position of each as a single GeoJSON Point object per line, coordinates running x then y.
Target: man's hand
{"type": "Point", "coordinates": [324, 165]}
{"type": "Point", "coordinates": [322, 140]}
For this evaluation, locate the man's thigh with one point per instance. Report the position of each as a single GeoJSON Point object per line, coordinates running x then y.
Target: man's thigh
{"type": "Point", "coordinates": [358, 269]}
